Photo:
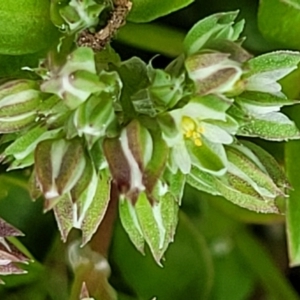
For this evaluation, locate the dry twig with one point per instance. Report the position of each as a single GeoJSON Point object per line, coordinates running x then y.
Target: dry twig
{"type": "Point", "coordinates": [98, 40]}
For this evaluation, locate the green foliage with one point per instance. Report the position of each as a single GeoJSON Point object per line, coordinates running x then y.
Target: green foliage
{"type": "Point", "coordinates": [23, 17]}
{"type": "Point", "coordinates": [148, 10]}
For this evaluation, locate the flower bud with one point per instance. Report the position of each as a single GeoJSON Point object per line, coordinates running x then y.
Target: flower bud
{"type": "Point", "coordinates": [58, 166]}
{"type": "Point", "coordinates": [213, 72]}
{"type": "Point", "coordinates": [128, 156]}
{"type": "Point", "coordinates": [93, 117]}
{"type": "Point", "coordinates": [19, 100]}
{"type": "Point", "coordinates": [76, 80]}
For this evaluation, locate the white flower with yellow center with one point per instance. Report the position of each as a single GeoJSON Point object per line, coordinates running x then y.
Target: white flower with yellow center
{"type": "Point", "coordinates": [199, 138]}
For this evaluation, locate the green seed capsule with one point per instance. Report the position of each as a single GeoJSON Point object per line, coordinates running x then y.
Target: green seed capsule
{"type": "Point", "coordinates": [25, 26]}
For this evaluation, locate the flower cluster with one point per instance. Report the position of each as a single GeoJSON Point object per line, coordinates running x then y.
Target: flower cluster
{"type": "Point", "coordinates": [92, 122]}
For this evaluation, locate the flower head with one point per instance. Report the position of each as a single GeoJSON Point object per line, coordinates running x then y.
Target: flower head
{"type": "Point", "coordinates": [201, 132]}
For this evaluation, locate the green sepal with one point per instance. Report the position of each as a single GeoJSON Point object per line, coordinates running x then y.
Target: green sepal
{"type": "Point", "coordinates": [16, 123]}
{"type": "Point", "coordinates": [212, 106]}
{"type": "Point", "coordinates": [18, 97]}
{"type": "Point", "coordinates": [92, 118]}
{"type": "Point", "coordinates": [33, 187]}
{"type": "Point", "coordinates": [217, 26]}
{"type": "Point", "coordinates": [83, 182]}
{"type": "Point", "coordinates": [264, 100]}
{"type": "Point", "coordinates": [19, 148]}
{"type": "Point", "coordinates": [249, 200]}
{"type": "Point", "coordinates": [209, 157]}
{"type": "Point", "coordinates": [64, 215]}
{"type": "Point", "coordinates": [131, 224]}
{"type": "Point", "coordinates": [157, 163]}
{"type": "Point", "coordinates": [72, 166]}
{"type": "Point", "coordinates": [202, 181]}
{"type": "Point", "coordinates": [236, 51]}
{"type": "Point", "coordinates": [97, 208]}
{"type": "Point", "coordinates": [175, 183]}
{"type": "Point", "coordinates": [252, 173]}
{"type": "Point", "coordinates": [80, 15]}
{"type": "Point", "coordinates": [165, 90]}
{"type": "Point", "coordinates": [273, 62]}
{"type": "Point", "coordinates": [270, 164]}
{"type": "Point", "coordinates": [71, 87]}
{"type": "Point", "coordinates": [153, 231]}
{"type": "Point", "coordinates": [169, 208]}
{"type": "Point", "coordinates": [26, 143]}
{"type": "Point", "coordinates": [58, 165]}
{"type": "Point", "coordinates": [272, 126]}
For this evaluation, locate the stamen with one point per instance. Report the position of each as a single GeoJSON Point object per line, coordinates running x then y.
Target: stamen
{"type": "Point", "coordinates": [191, 130]}
{"type": "Point", "coordinates": [198, 142]}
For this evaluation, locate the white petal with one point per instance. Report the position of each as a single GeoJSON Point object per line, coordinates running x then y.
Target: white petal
{"type": "Point", "coordinates": [216, 134]}
{"type": "Point", "coordinates": [182, 158]}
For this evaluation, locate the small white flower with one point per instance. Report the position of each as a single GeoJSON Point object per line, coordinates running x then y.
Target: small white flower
{"type": "Point", "coordinates": [197, 137]}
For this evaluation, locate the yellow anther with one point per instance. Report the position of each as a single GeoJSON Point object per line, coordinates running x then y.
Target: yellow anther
{"type": "Point", "coordinates": [195, 135]}
{"type": "Point", "coordinates": [191, 130]}
{"type": "Point", "coordinates": [189, 134]}
{"type": "Point", "coordinates": [200, 129]}
{"type": "Point", "coordinates": [198, 142]}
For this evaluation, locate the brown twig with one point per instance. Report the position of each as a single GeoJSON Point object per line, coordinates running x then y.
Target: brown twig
{"type": "Point", "coordinates": [98, 40]}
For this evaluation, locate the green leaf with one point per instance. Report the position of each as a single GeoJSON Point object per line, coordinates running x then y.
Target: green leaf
{"type": "Point", "coordinates": [19, 18]}
{"type": "Point", "coordinates": [148, 10]}
{"type": "Point", "coordinates": [11, 65]}
{"type": "Point", "coordinates": [271, 13]}
{"type": "Point", "coordinates": [160, 38]}
{"type": "Point", "coordinates": [261, 264]}
{"type": "Point", "coordinates": [293, 204]}
{"type": "Point", "coordinates": [230, 274]}
{"type": "Point", "coordinates": [217, 26]}
{"type": "Point", "coordinates": [272, 126]}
